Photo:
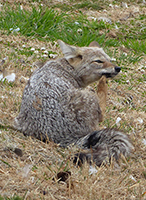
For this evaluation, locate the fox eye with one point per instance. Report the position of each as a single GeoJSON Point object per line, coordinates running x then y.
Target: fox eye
{"type": "Point", "coordinates": [99, 61]}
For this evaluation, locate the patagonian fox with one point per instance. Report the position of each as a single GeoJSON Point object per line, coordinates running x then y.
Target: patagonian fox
{"type": "Point", "coordinates": [58, 105]}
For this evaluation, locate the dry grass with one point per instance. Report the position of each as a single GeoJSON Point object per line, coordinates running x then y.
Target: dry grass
{"type": "Point", "coordinates": [32, 174]}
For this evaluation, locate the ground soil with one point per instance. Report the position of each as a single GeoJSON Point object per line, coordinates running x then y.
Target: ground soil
{"type": "Point", "coordinates": [29, 167]}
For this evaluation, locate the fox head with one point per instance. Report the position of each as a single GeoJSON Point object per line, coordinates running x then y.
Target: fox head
{"type": "Point", "coordinates": [89, 63]}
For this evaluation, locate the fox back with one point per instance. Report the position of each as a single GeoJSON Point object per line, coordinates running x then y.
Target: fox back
{"type": "Point", "coordinates": [57, 104]}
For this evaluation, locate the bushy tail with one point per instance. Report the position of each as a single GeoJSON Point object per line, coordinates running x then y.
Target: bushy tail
{"type": "Point", "coordinates": [103, 145]}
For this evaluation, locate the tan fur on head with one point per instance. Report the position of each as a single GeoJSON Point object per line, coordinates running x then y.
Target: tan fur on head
{"type": "Point", "coordinates": [89, 63]}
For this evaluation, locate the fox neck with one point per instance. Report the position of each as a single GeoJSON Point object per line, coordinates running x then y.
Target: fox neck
{"type": "Point", "coordinates": [65, 64]}
{"type": "Point", "coordinates": [72, 71]}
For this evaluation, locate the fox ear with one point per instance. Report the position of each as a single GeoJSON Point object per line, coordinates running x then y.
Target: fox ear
{"type": "Point", "coordinates": [94, 44]}
{"type": "Point", "coordinates": [67, 50]}
{"type": "Point", "coordinates": [71, 53]}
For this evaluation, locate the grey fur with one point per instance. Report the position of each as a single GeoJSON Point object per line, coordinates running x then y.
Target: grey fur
{"type": "Point", "coordinates": [56, 104]}
{"type": "Point", "coordinates": [104, 144]}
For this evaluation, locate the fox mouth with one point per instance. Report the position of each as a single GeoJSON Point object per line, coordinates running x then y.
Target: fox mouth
{"type": "Point", "coordinates": [109, 75]}
{"type": "Point", "coordinates": [112, 74]}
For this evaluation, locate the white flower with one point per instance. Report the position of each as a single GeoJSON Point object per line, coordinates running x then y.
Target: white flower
{"type": "Point", "coordinates": [52, 55]}
{"type": "Point", "coordinates": [32, 49]}
{"type": "Point", "coordinates": [79, 30]}
{"type": "Point", "coordinates": [113, 59]}
{"type": "Point", "coordinates": [77, 23]}
{"type": "Point", "coordinates": [16, 29]}
{"type": "Point", "coordinates": [140, 120]}
{"type": "Point", "coordinates": [43, 48]}
{"type": "Point", "coordinates": [118, 120]}
{"type": "Point", "coordinates": [92, 170]}
{"type": "Point", "coordinates": [46, 52]}
{"type": "Point", "coordinates": [45, 55]}
{"type": "Point", "coordinates": [10, 77]}
{"type": "Point", "coordinates": [132, 178]}
{"type": "Point", "coordinates": [144, 141]}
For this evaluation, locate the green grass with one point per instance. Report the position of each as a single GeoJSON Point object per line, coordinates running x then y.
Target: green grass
{"type": "Point", "coordinates": [13, 198]}
{"type": "Point", "coordinates": [73, 28]}
{"type": "Point", "coordinates": [142, 78]}
{"type": "Point", "coordinates": [48, 24]}
{"type": "Point", "coordinates": [35, 23]}
{"type": "Point", "coordinates": [51, 25]}
{"type": "Point", "coordinates": [75, 5]}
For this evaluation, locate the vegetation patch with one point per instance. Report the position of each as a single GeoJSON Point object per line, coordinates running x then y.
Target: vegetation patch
{"type": "Point", "coordinates": [28, 38]}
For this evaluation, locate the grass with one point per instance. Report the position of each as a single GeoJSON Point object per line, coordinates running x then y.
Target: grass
{"type": "Point", "coordinates": [33, 176]}
{"type": "Point", "coordinates": [35, 23]}
{"type": "Point", "coordinates": [13, 198]}
{"type": "Point", "coordinates": [51, 25]}
{"type": "Point", "coordinates": [74, 5]}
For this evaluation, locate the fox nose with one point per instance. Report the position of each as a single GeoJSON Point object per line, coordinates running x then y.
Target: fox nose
{"type": "Point", "coordinates": [117, 69]}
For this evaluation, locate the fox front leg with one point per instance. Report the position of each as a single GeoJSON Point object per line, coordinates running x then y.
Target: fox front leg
{"type": "Point", "coordinates": [102, 94]}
